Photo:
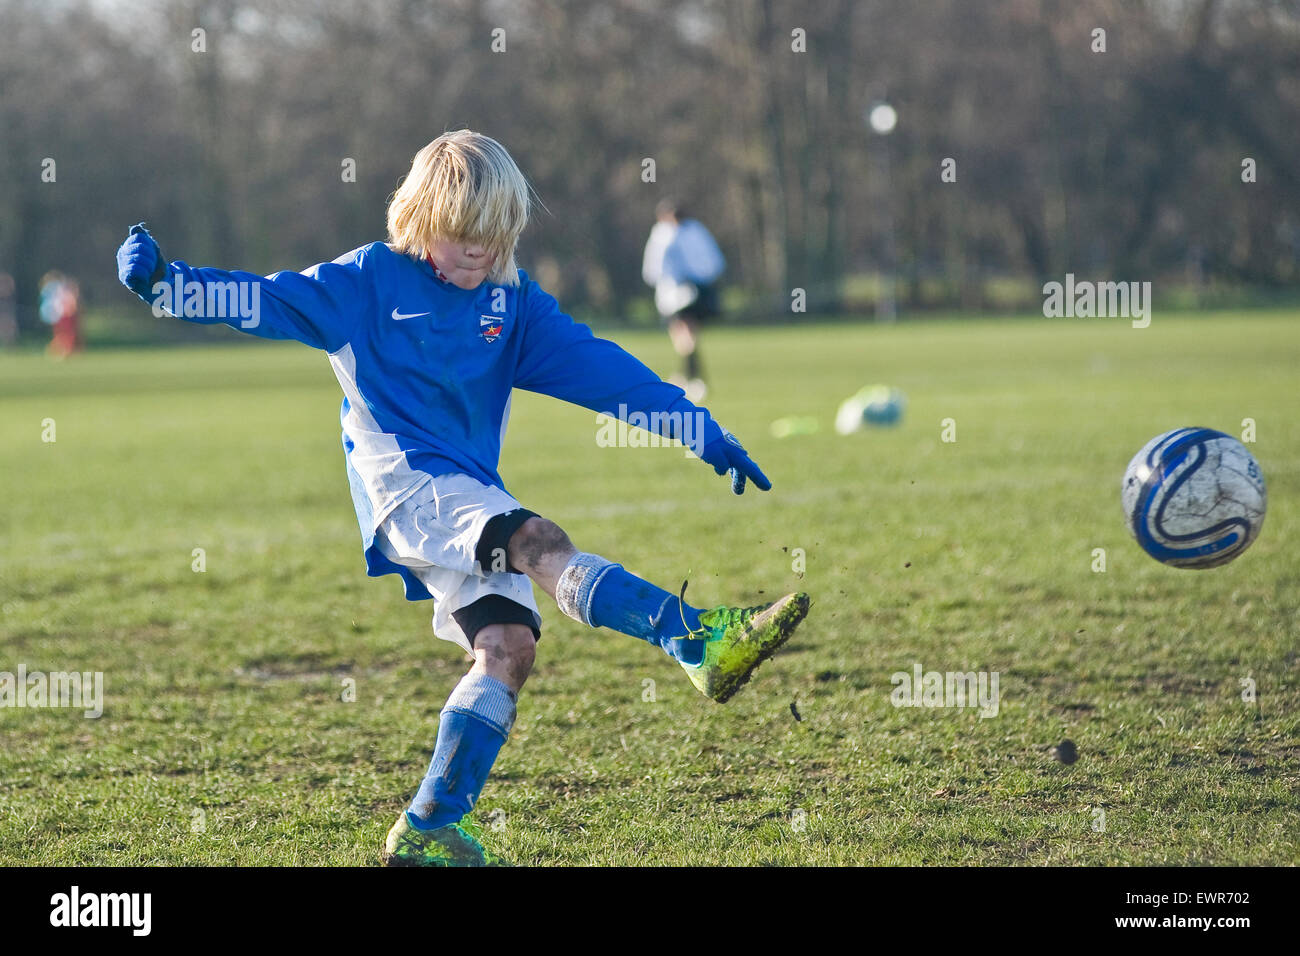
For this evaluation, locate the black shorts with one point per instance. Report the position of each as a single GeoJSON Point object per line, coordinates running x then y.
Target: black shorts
{"type": "Point", "coordinates": [494, 609]}
{"type": "Point", "coordinates": [491, 555]}
{"type": "Point", "coordinates": [705, 305]}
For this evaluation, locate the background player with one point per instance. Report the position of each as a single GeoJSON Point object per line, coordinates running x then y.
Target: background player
{"type": "Point", "coordinates": [683, 264]}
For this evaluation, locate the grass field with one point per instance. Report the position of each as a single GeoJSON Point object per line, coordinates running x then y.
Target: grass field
{"type": "Point", "coordinates": [225, 739]}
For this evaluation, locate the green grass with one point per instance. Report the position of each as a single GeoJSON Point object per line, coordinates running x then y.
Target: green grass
{"type": "Point", "coordinates": [223, 711]}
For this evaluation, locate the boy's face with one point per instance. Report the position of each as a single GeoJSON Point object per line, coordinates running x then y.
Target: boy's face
{"type": "Point", "coordinates": [464, 264]}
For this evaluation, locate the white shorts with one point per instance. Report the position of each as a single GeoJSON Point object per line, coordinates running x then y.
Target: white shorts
{"type": "Point", "coordinates": [435, 532]}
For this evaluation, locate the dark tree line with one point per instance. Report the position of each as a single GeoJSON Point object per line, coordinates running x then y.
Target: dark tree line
{"type": "Point", "coordinates": [234, 142]}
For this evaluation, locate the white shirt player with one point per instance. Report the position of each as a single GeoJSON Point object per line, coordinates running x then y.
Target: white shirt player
{"type": "Point", "coordinates": [678, 259]}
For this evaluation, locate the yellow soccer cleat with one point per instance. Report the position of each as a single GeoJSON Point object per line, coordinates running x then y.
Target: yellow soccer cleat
{"type": "Point", "coordinates": [739, 639]}
{"type": "Point", "coordinates": [453, 845]}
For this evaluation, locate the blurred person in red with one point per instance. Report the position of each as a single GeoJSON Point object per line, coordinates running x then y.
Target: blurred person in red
{"type": "Point", "coordinates": [61, 308]}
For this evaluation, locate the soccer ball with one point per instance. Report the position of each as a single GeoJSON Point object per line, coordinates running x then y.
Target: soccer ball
{"type": "Point", "coordinates": [874, 405]}
{"type": "Point", "coordinates": [1194, 498]}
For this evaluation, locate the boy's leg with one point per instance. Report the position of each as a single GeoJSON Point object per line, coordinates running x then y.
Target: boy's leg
{"type": "Point", "coordinates": [683, 332]}
{"type": "Point", "coordinates": [494, 618]}
{"type": "Point", "coordinates": [622, 602]}
{"type": "Point", "coordinates": [472, 728]}
{"type": "Point", "coordinates": [719, 648]}
{"type": "Point", "coordinates": [506, 653]}
{"type": "Point", "coordinates": [474, 725]}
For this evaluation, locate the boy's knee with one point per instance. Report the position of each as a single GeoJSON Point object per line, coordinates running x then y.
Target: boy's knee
{"type": "Point", "coordinates": [535, 541]}
{"type": "Point", "coordinates": [506, 652]}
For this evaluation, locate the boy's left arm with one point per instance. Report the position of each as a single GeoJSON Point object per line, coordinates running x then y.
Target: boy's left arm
{"type": "Point", "coordinates": [561, 358]}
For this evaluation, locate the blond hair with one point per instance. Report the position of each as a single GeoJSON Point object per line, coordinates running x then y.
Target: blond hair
{"type": "Point", "coordinates": [462, 187]}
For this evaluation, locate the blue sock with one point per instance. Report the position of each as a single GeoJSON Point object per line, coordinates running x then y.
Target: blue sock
{"type": "Point", "coordinates": [472, 728]}
{"type": "Point", "coordinates": [602, 594]}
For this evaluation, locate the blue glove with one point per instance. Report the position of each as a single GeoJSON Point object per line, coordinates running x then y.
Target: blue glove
{"type": "Point", "coordinates": [140, 262]}
{"type": "Point", "coordinates": [726, 455]}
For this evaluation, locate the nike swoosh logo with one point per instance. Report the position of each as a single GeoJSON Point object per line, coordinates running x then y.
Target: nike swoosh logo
{"type": "Point", "coordinates": [414, 315]}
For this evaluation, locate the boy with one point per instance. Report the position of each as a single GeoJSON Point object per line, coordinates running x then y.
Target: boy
{"type": "Point", "coordinates": [427, 335]}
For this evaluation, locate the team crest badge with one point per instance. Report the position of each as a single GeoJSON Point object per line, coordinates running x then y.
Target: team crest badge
{"type": "Point", "coordinates": [489, 326]}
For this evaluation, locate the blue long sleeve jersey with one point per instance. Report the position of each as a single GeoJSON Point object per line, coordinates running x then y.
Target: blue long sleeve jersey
{"type": "Point", "coordinates": [426, 367]}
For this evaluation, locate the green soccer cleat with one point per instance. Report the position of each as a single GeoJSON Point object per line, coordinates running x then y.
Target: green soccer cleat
{"type": "Point", "coordinates": [739, 639]}
{"type": "Point", "coordinates": [453, 845]}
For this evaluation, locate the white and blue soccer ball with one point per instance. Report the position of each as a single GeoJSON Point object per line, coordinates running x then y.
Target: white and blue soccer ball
{"type": "Point", "coordinates": [1194, 498]}
{"type": "Point", "coordinates": [874, 405]}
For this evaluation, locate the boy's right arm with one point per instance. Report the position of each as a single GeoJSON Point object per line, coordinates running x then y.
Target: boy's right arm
{"type": "Point", "coordinates": [320, 307]}
{"type": "Point", "coordinates": [561, 358]}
